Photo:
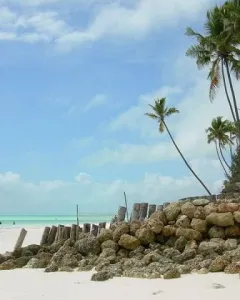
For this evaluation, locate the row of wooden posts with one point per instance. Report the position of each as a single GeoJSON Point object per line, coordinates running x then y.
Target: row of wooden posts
{"type": "Point", "coordinates": [140, 211]}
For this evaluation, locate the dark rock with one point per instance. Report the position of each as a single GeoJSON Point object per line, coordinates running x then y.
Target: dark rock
{"type": "Point", "coordinates": [119, 231]}
{"type": "Point", "coordinates": [145, 236]}
{"type": "Point", "coordinates": [88, 245]}
{"type": "Point", "coordinates": [181, 243]}
{"type": "Point", "coordinates": [8, 265]}
{"type": "Point", "coordinates": [101, 276]}
{"type": "Point", "coordinates": [105, 235]}
{"type": "Point", "coordinates": [22, 261]}
{"type": "Point", "coordinates": [51, 268]}
{"type": "Point", "coordinates": [172, 274]}
{"type": "Point", "coordinates": [129, 242]}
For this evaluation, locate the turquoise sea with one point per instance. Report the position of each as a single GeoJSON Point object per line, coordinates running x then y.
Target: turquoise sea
{"type": "Point", "coordinates": [47, 220]}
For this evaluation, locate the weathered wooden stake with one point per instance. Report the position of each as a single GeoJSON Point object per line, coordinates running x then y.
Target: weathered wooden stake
{"type": "Point", "coordinates": [121, 213]}
{"type": "Point", "coordinates": [125, 197]}
{"type": "Point", "coordinates": [45, 236]}
{"type": "Point", "coordinates": [77, 216]}
{"type": "Point", "coordinates": [143, 211]}
{"type": "Point", "coordinates": [61, 233]}
{"type": "Point", "coordinates": [52, 235]}
{"type": "Point", "coordinates": [135, 212]}
{"type": "Point", "coordinates": [160, 208]}
{"type": "Point", "coordinates": [73, 233]}
{"type": "Point", "coordinates": [151, 209]}
{"type": "Point", "coordinates": [86, 227]}
{"type": "Point", "coordinates": [101, 225]}
{"type": "Point", "coordinates": [20, 239]}
{"type": "Point", "coordinates": [94, 230]}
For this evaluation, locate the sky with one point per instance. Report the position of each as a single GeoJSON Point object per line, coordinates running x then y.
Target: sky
{"type": "Point", "coordinates": [76, 79]}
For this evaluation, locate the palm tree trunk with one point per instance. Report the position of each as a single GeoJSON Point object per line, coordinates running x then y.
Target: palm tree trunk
{"type": "Point", "coordinates": [218, 155]}
{"type": "Point", "coordinates": [226, 91]}
{"type": "Point", "coordinates": [220, 148]}
{"type": "Point", "coordinates": [187, 164]}
{"type": "Point", "coordinates": [234, 98]}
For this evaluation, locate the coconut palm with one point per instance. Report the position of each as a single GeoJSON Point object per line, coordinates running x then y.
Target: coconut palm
{"type": "Point", "coordinates": [231, 16]}
{"type": "Point", "coordinates": [220, 52]}
{"type": "Point", "coordinates": [160, 113]}
{"type": "Point", "coordinates": [219, 133]}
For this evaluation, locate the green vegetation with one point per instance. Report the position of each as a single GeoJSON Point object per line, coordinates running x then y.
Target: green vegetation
{"type": "Point", "coordinates": [217, 49]}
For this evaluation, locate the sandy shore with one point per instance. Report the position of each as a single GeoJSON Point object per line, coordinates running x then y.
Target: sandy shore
{"type": "Point", "coordinates": [26, 284]}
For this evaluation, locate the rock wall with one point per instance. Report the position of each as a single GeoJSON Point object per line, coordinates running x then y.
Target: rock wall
{"type": "Point", "coordinates": [187, 236]}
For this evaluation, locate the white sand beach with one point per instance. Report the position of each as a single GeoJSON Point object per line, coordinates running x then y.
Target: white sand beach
{"type": "Point", "coordinates": [26, 284]}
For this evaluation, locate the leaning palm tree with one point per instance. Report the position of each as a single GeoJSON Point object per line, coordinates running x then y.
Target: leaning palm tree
{"type": "Point", "coordinates": [231, 17]}
{"type": "Point", "coordinates": [219, 51]}
{"type": "Point", "coordinates": [160, 113]}
{"type": "Point", "coordinates": [219, 133]}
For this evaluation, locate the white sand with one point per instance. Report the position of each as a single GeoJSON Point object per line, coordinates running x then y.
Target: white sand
{"type": "Point", "coordinates": [25, 284]}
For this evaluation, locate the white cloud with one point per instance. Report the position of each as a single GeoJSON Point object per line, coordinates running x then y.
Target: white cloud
{"type": "Point", "coordinates": [135, 22]}
{"type": "Point", "coordinates": [97, 100]}
{"type": "Point", "coordinates": [59, 196]}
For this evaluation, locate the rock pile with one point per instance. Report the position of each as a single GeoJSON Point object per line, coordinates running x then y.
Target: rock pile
{"type": "Point", "coordinates": [193, 236]}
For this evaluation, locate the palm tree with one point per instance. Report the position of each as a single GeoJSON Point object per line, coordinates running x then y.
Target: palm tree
{"type": "Point", "coordinates": [219, 133]}
{"type": "Point", "coordinates": [231, 17]}
{"type": "Point", "coordinates": [160, 113]}
{"type": "Point", "coordinates": [219, 51]}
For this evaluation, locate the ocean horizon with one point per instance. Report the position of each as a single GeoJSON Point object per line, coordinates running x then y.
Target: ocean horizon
{"type": "Point", "coordinates": [48, 220]}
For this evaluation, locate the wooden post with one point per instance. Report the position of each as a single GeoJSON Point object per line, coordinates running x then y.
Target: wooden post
{"type": "Point", "coordinates": [165, 204]}
{"type": "Point", "coordinates": [73, 233]}
{"type": "Point", "coordinates": [151, 209]}
{"type": "Point", "coordinates": [121, 213]}
{"type": "Point", "coordinates": [20, 239]}
{"type": "Point", "coordinates": [125, 197]}
{"type": "Point", "coordinates": [52, 235]}
{"type": "Point", "coordinates": [101, 225]}
{"type": "Point", "coordinates": [61, 233]}
{"type": "Point", "coordinates": [143, 211]}
{"type": "Point", "coordinates": [66, 232]}
{"type": "Point", "coordinates": [86, 227]}
{"type": "Point", "coordinates": [77, 216]}
{"type": "Point", "coordinates": [160, 208]}
{"type": "Point", "coordinates": [135, 212]}
{"type": "Point", "coordinates": [78, 231]}
{"type": "Point", "coordinates": [45, 236]}
{"type": "Point", "coordinates": [94, 230]}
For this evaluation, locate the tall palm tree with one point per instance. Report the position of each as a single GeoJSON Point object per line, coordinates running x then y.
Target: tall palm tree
{"type": "Point", "coordinates": [218, 51]}
{"type": "Point", "coordinates": [231, 16]}
{"type": "Point", "coordinates": [160, 113]}
{"type": "Point", "coordinates": [219, 133]}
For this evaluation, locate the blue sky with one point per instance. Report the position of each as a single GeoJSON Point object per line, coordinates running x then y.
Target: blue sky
{"type": "Point", "coordinates": [76, 78]}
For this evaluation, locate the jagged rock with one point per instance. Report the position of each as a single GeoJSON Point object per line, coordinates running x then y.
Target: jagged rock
{"type": "Point", "coordinates": [194, 263]}
{"type": "Point", "coordinates": [171, 252]}
{"type": "Point", "coordinates": [141, 273]}
{"type": "Point", "coordinates": [110, 244]}
{"type": "Point", "coordinates": [8, 265]}
{"type": "Point", "coordinates": [184, 269]}
{"type": "Point", "coordinates": [123, 253]}
{"type": "Point", "coordinates": [65, 269]}
{"type": "Point", "coordinates": [160, 216]}
{"type": "Point", "coordinates": [172, 211]}
{"type": "Point", "coordinates": [85, 268]}
{"type": "Point", "coordinates": [129, 242]}
{"type": "Point", "coordinates": [210, 208]}
{"type": "Point", "coordinates": [146, 236]}
{"type": "Point", "coordinates": [102, 264]}
{"type": "Point", "coordinates": [200, 202]}
{"type": "Point", "coordinates": [155, 225]}
{"type": "Point", "coordinates": [189, 234]}
{"type": "Point", "coordinates": [216, 232]}
{"type": "Point", "coordinates": [228, 207]}
{"type": "Point", "coordinates": [203, 271]}
{"type": "Point", "coordinates": [232, 231]}
{"type": "Point", "coordinates": [236, 216]}
{"type": "Point", "coordinates": [183, 221]}
{"type": "Point", "coordinates": [22, 261]}
{"type": "Point", "coordinates": [133, 263]}
{"type": "Point", "coordinates": [199, 225]}
{"type": "Point", "coordinates": [88, 245]}
{"type": "Point", "coordinates": [188, 209]}
{"type": "Point", "coordinates": [120, 230]}
{"type": "Point", "coordinates": [205, 264]}
{"type": "Point", "coordinates": [208, 247]}
{"type": "Point", "coordinates": [168, 230]}
{"type": "Point", "coordinates": [180, 243]}
{"type": "Point", "coordinates": [199, 213]}
{"type": "Point", "coordinates": [105, 235]}
{"type": "Point", "coordinates": [138, 251]}
{"type": "Point", "coordinates": [51, 268]}
{"type": "Point", "coordinates": [2, 259]}
{"type": "Point", "coordinates": [134, 226]}
{"type": "Point", "coordinates": [191, 245]}
{"type": "Point", "coordinates": [186, 255]}
{"type": "Point", "coordinates": [101, 276]}
{"type": "Point", "coordinates": [32, 263]}
{"type": "Point", "coordinates": [218, 264]}
{"type": "Point", "coordinates": [230, 244]}
{"type": "Point", "coordinates": [220, 219]}
{"type": "Point", "coordinates": [233, 268]}
{"type": "Point", "coordinates": [114, 269]}
{"type": "Point", "coordinates": [69, 260]}
{"type": "Point", "coordinates": [172, 274]}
